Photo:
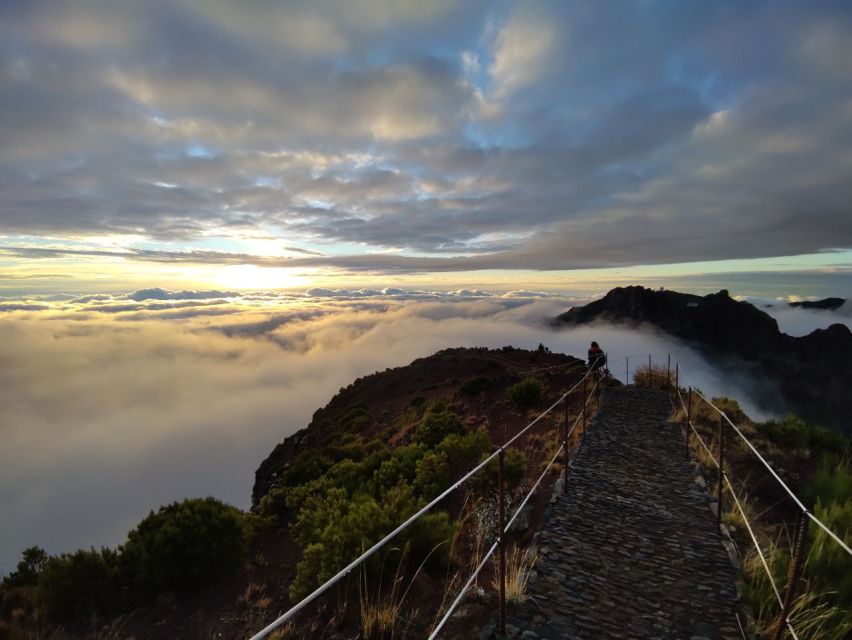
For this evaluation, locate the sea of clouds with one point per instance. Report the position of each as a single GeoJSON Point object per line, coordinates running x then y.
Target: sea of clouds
{"type": "Point", "coordinates": [115, 404]}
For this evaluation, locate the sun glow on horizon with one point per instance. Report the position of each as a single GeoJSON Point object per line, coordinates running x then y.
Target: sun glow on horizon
{"type": "Point", "coordinates": [249, 276]}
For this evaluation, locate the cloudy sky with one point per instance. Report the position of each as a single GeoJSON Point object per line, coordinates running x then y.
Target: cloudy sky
{"type": "Point", "coordinates": [270, 144]}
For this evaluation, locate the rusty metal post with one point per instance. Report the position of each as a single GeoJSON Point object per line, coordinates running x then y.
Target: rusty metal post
{"type": "Point", "coordinates": [501, 517]}
{"type": "Point", "coordinates": [793, 574]}
{"type": "Point", "coordinates": [688, 420]}
{"type": "Point", "coordinates": [565, 450]}
{"type": "Point", "coordinates": [649, 372]}
{"type": "Point", "coordinates": [721, 473]}
{"type": "Point", "coordinates": [585, 404]}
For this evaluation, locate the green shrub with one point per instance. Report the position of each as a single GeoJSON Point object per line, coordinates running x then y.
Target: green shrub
{"type": "Point", "coordinates": [731, 408]}
{"type": "Point", "coordinates": [186, 544]}
{"type": "Point", "coordinates": [433, 474]}
{"type": "Point", "coordinates": [73, 587]}
{"type": "Point", "coordinates": [335, 528]}
{"type": "Point", "coordinates": [463, 451]}
{"type": "Point", "coordinates": [355, 419]}
{"type": "Point", "coordinates": [27, 572]}
{"type": "Point", "coordinates": [475, 386]}
{"type": "Point", "coordinates": [789, 432]}
{"type": "Point", "coordinates": [822, 441]}
{"type": "Point", "coordinates": [526, 393]}
{"type": "Point", "coordinates": [400, 467]}
{"type": "Point", "coordinates": [514, 467]}
{"type": "Point", "coordinates": [831, 482]}
{"type": "Point", "coordinates": [306, 466]}
{"type": "Point", "coordinates": [829, 567]}
{"type": "Point", "coordinates": [436, 426]}
{"type": "Point", "coordinates": [274, 504]}
{"type": "Point", "coordinates": [431, 530]}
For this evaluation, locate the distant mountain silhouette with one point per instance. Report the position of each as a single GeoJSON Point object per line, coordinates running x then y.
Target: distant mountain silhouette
{"type": "Point", "coordinates": [813, 372]}
{"type": "Point", "coordinates": [829, 304]}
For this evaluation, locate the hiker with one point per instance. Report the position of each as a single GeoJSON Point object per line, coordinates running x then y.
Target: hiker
{"type": "Point", "coordinates": [597, 358]}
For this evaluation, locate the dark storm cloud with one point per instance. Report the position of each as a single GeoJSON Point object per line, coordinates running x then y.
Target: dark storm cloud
{"type": "Point", "coordinates": [545, 135]}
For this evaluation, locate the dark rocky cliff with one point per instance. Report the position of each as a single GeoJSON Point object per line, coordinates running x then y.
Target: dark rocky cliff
{"type": "Point", "coordinates": [813, 372]}
{"type": "Point", "coordinates": [826, 304]}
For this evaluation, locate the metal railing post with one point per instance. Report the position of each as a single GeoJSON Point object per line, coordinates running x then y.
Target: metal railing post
{"type": "Point", "coordinates": [721, 472]}
{"type": "Point", "coordinates": [585, 404]}
{"type": "Point", "coordinates": [565, 450]}
{"type": "Point", "coordinates": [793, 574]}
{"type": "Point", "coordinates": [501, 516]}
{"type": "Point", "coordinates": [649, 372]}
{"type": "Point", "coordinates": [688, 420]}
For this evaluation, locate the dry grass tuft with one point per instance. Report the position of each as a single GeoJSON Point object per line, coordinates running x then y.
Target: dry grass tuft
{"type": "Point", "coordinates": [248, 596]}
{"type": "Point", "coordinates": [519, 565]}
{"type": "Point", "coordinates": [283, 633]}
{"type": "Point", "coordinates": [654, 376]}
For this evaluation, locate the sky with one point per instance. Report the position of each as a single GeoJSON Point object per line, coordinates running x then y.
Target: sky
{"type": "Point", "coordinates": [555, 145]}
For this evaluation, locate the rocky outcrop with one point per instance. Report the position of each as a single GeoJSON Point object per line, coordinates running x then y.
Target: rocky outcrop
{"type": "Point", "coordinates": [826, 304]}
{"type": "Point", "coordinates": [813, 372]}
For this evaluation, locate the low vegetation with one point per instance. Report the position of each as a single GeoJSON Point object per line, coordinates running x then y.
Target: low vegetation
{"type": "Point", "coordinates": [653, 375]}
{"type": "Point", "coordinates": [519, 566]}
{"type": "Point", "coordinates": [475, 386]}
{"type": "Point", "coordinates": [815, 463]}
{"type": "Point", "coordinates": [181, 547]}
{"type": "Point", "coordinates": [366, 488]}
{"type": "Point", "coordinates": [526, 393]}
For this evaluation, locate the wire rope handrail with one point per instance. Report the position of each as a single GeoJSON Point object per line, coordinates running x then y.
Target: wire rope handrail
{"type": "Point", "coordinates": [727, 481]}
{"type": "Point", "coordinates": [520, 508]}
{"type": "Point", "coordinates": [796, 560]}
{"type": "Point", "coordinates": [753, 538]}
{"type": "Point", "coordinates": [463, 591]}
{"type": "Point", "coordinates": [288, 615]}
{"type": "Point", "coordinates": [775, 475]}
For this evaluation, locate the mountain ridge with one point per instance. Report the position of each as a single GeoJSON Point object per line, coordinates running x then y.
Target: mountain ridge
{"type": "Point", "coordinates": [813, 373]}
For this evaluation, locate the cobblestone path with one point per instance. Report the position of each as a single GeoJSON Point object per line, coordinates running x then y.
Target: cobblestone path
{"type": "Point", "coordinates": [632, 551]}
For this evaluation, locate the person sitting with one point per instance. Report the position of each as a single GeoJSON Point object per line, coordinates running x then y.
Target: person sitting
{"type": "Point", "coordinates": [597, 358]}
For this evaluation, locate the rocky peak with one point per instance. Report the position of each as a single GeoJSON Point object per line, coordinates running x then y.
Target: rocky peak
{"type": "Point", "coordinates": [813, 372]}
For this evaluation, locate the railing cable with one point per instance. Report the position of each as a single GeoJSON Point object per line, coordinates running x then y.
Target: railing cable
{"type": "Point", "coordinates": [464, 589]}
{"type": "Point", "coordinates": [517, 512]}
{"type": "Point", "coordinates": [754, 540]}
{"type": "Point", "coordinates": [789, 491]}
{"type": "Point", "coordinates": [378, 545]}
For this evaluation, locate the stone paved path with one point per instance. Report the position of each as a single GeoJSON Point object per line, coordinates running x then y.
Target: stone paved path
{"type": "Point", "coordinates": [632, 551]}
